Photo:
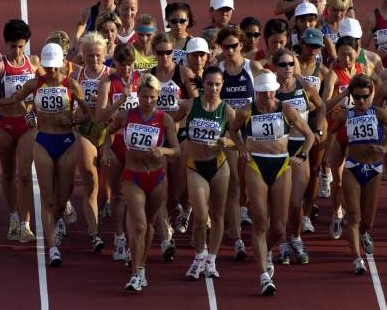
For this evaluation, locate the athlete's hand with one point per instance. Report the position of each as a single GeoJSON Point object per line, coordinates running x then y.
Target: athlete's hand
{"type": "Point", "coordinates": [157, 152]}
{"type": "Point", "coordinates": [105, 159]}
{"type": "Point", "coordinates": [245, 156]}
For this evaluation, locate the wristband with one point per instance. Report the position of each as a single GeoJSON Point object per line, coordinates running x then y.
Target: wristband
{"type": "Point", "coordinates": [302, 155]}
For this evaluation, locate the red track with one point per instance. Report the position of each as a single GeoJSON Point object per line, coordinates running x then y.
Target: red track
{"type": "Point", "coordinates": [93, 281]}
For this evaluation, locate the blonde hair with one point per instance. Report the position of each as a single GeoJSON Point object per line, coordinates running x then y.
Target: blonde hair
{"type": "Point", "coordinates": [338, 4]}
{"type": "Point", "coordinates": [60, 37]}
{"type": "Point", "coordinates": [149, 80]}
{"type": "Point", "coordinates": [93, 38]}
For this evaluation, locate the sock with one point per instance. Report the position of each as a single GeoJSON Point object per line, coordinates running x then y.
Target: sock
{"type": "Point", "coordinates": [25, 225]}
{"type": "Point", "coordinates": [200, 255]}
{"type": "Point", "coordinates": [296, 239]}
{"type": "Point", "coordinates": [211, 257]}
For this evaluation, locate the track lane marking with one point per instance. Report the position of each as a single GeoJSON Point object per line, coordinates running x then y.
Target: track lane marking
{"type": "Point", "coordinates": [40, 248]}
{"type": "Point", "coordinates": [376, 282]}
{"type": "Point", "coordinates": [211, 294]}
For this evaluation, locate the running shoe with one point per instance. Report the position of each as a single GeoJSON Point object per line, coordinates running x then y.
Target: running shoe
{"type": "Point", "coordinates": [269, 264]}
{"type": "Point", "coordinates": [245, 218]}
{"type": "Point", "coordinates": [324, 189]}
{"type": "Point", "coordinates": [182, 220]}
{"type": "Point", "coordinates": [26, 235]}
{"type": "Point", "coordinates": [69, 214]}
{"type": "Point", "coordinates": [359, 266]}
{"type": "Point", "coordinates": [196, 269]}
{"type": "Point", "coordinates": [284, 254]}
{"type": "Point", "coordinates": [240, 250]}
{"type": "Point", "coordinates": [128, 258]}
{"type": "Point", "coordinates": [13, 230]}
{"type": "Point", "coordinates": [144, 281]}
{"type": "Point", "coordinates": [59, 232]}
{"type": "Point", "coordinates": [301, 253]}
{"type": "Point", "coordinates": [97, 244]}
{"type": "Point", "coordinates": [335, 229]}
{"type": "Point", "coordinates": [119, 252]}
{"type": "Point", "coordinates": [209, 224]}
{"type": "Point", "coordinates": [210, 270]}
{"type": "Point", "coordinates": [168, 250]}
{"type": "Point", "coordinates": [134, 283]}
{"type": "Point", "coordinates": [267, 285]}
{"type": "Point", "coordinates": [55, 258]}
{"type": "Point", "coordinates": [314, 212]}
{"type": "Point", "coordinates": [367, 242]}
{"type": "Point", "coordinates": [307, 226]}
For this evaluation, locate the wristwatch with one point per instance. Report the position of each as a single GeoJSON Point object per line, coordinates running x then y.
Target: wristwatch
{"type": "Point", "coordinates": [302, 155]}
{"type": "Point", "coordinates": [319, 132]}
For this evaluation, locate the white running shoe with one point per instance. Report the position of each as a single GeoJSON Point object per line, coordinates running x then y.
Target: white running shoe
{"type": "Point", "coordinates": [301, 253]}
{"type": "Point", "coordinates": [144, 281]}
{"type": "Point", "coordinates": [324, 189]}
{"type": "Point", "coordinates": [134, 283]}
{"type": "Point", "coordinates": [267, 286]}
{"type": "Point", "coordinates": [60, 231]}
{"type": "Point", "coordinates": [168, 250]}
{"type": "Point", "coordinates": [128, 258]}
{"type": "Point", "coordinates": [55, 258]}
{"type": "Point", "coordinates": [182, 220]}
{"type": "Point", "coordinates": [210, 270]}
{"type": "Point", "coordinates": [196, 269]}
{"type": "Point", "coordinates": [367, 242]}
{"type": "Point", "coordinates": [245, 218]}
{"type": "Point", "coordinates": [335, 229]}
{"type": "Point", "coordinates": [359, 266]}
{"type": "Point", "coordinates": [307, 225]}
{"type": "Point", "coordinates": [284, 253]}
{"type": "Point", "coordinates": [69, 214]}
{"type": "Point", "coordinates": [240, 250]}
{"type": "Point", "coordinates": [13, 230]}
{"type": "Point", "coordinates": [119, 252]}
{"type": "Point", "coordinates": [270, 264]}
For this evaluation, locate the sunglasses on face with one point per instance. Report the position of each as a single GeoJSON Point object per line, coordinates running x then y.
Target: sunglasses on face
{"type": "Point", "coordinates": [163, 53]}
{"type": "Point", "coordinates": [251, 35]}
{"type": "Point", "coordinates": [176, 21]}
{"type": "Point", "coordinates": [285, 64]}
{"type": "Point", "coordinates": [358, 97]}
{"type": "Point", "coordinates": [230, 46]}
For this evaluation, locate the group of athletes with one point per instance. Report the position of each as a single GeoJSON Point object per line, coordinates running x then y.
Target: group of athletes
{"type": "Point", "coordinates": [162, 124]}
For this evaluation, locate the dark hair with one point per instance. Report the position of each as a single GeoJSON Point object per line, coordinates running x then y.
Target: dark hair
{"type": "Point", "coordinates": [179, 6]}
{"type": "Point", "coordinates": [211, 70]}
{"type": "Point", "coordinates": [361, 81]}
{"type": "Point", "coordinates": [234, 31]}
{"type": "Point", "coordinates": [275, 26]}
{"type": "Point", "coordinates": [281, 52]}
{"type": "Point", "coordinates": [347, 41]}
{"type": "Point", "coordinates": [162, 37]}
{"type": "Point", "coordinates": [124, 52]}
{"type": "Point", "coordinates": [16, 29]}
{"type": "Point", "coordinates": [247, 21]}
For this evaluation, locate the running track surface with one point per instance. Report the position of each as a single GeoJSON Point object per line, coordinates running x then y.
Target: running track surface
{"type": "Point", "coordinates": [93, 281]}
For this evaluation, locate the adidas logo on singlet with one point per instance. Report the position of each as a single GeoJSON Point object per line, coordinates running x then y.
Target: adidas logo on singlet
{"type": "Point", "coordinates": [242, 78]}
{"type": "Point", "coordinates": [67, 140]}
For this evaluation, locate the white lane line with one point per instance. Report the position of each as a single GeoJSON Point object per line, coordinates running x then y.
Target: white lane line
{"type": "Point", "coordinates": [24, 16]}
{"type": "Point", "coordinates": [40, 249]}
{"type": "Point", "coordinates": [376, 282]}
{"type": "Point", "coordinates": [163, 4]}
{"type": "Point", "coordinates": [211, 294]}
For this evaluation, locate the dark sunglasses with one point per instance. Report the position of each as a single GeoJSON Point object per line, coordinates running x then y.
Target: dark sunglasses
{"type": "Point", "coordinates": [228, 46]}
{"type": "Point", "coordinates": [163, 53]}
{"type": "Point", "coordinates": [285, 64]}
{"type": "Point", "coordinates": [313, 46]}
{"type": "Point", "coordinates": [176, 21]}
{"type": "Point", "coordinates": [358, 97]}
{"type": "Point", "coordinates": [251, 35]}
